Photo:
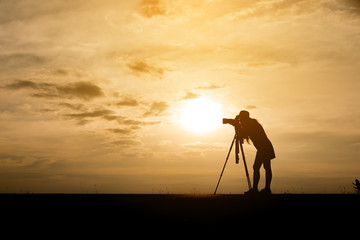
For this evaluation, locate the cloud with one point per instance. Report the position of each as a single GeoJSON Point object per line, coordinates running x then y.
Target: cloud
{"type": "Point", "coordinates": [127, 101]}
{"type": "Point", "coordinates": [109, 115]}
{"type": "Point", "coordinates": [82, 90]}
{"type": "Point", "coordinates": [157, 108]}
{"type": "Point", "coordinates": [73, 106]}
{"type": "Point", "coordinates": [11, 158]}
{"type": "Point", "coordinates": [121, 131]}
{"type": "Point", "coordinates": [134, 123]}
{"type": "Point", "coordinates": [250, 107]}
{"type": "Point", "coordinates": [130, 142]}
{"type": "Point", "coordinates": [192, 95]}
{"type": "Point", "coordinates": [97, 113]}
{"type": "Point", "coordinates": [270, 10]}
{"type": "Point", "coordinates": [20, 84]}
{"type": "Point", "coordinates": [189, 95]}
{"type": "Point", "coordinates": [83, 118]}
{"type": "Point", "coordinates": [350, 6]}
{"type": "Point", "coordinates": [151, 8]}
{"type": "Point", "coordinates": [289, 7]}
{"type": "Point", "coordinates": [27, 11]}
{"type": "Point", "coordinates": [18, 60]}
{"type": "Point", "coordinates": [140, 67]}
{"type": "Point", "coordinates": [210, 87]}
{"type": "Point", "coordinates": [60, 72]}
{"type": "Point", "coordinates": [24, 161]}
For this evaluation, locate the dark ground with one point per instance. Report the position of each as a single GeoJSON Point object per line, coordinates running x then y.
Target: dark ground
{"type": "Point", "coordinates": [159, 214]}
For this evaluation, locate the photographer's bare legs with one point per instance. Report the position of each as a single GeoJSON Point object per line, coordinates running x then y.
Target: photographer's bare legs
{"type": "Point", "coordinates": [260, 160]}
{"type": "Point", "coordinates": [256, 176]}
{"type": "Point", "coordinates": [268, 174]}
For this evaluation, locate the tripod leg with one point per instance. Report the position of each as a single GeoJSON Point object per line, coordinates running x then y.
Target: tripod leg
{"type": "Point", "coordinates": [246, 169]}
{"type": "Point", "coordinates": [232, 143]}
{"type": "Point", "coordinates": [236, 151]}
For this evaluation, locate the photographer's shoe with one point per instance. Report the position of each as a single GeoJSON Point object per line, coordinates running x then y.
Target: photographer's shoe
{"type": "Point", "coordinates": [252, 192]}
{"type": "Point", "coordinates": [265, 192]}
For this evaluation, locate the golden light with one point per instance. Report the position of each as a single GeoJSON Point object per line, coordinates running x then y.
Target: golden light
{"type": "Point", "coordinates": [201, 115]}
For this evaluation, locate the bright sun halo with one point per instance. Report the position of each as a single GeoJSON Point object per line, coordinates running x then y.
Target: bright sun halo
{"type": "Point", "coordinates": [201, 115]}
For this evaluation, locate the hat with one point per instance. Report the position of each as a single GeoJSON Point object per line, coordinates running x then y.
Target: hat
{"type": "Point", "coordinates": [244, 114]}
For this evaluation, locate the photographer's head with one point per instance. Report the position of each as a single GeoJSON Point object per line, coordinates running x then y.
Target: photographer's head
{"type": "Point", "coordinates": [243, 116]}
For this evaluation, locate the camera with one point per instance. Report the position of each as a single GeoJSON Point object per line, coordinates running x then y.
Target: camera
{"type": "Point", "coordinates": [227, 120]}
{"type": "Point", "coordinates": [230, 121]}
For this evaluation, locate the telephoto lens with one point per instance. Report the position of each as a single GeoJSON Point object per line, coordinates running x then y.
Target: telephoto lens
{"type": "Point", "coordinates": [225, 120]}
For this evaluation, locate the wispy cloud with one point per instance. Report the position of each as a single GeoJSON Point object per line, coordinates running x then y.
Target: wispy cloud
{"type": "Point", "coordinates": [73, 106]}
{"type": "Point", "coordinates": [104, 113]}
{"type": "Point", "coordinates": [211, 86]}
{"type": "Point", "coordinates": [109, 115]}
{"type": "Point", "coordinates": [82, 90]}
{"type": "Point", "coordinates": [141, 67]}
{"type": "Point", "coordinates": [189, 95]}
{"type": "Point", "coordinates": [19, 60]}
{"type": "Point", "coordinates": [21, 84]}
{"type": "Point", "coordinates": [121, 131]}
{"type": "Point", "coordinates": [251, 107]}
{"type": "Point", "coordinates": [127, 101]}
{"type": "Point", "coordinates": [128, 142]}
{"type": "Point", "coordinates": [348, 6]}
{"type": "Point", "coordinates": [157, 108]}
{"type": "Point", "coordinates": [151, 8]}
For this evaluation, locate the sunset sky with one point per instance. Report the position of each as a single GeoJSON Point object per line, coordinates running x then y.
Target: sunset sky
{"type": "Point", "coordinates": [99, 96]}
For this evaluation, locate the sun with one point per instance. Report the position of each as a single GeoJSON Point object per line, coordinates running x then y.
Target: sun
{"type": "Point", "coordinates": [200, 115]}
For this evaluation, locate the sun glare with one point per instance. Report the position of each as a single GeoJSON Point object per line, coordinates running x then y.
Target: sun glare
{"type": "Point", "coordinates": [201, 115]}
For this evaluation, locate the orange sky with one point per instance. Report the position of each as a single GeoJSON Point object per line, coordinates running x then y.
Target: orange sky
{"type": "Point", "coordinates": [92, 93]}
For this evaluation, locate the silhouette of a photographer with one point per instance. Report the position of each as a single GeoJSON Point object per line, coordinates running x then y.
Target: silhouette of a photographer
{"type": "Point", "coordinates": [250, 128]}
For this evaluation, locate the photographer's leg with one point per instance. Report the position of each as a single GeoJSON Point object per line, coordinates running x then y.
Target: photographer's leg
{"type": "Point", "coordinates": [268, 173]}
{"type": "Point", "coordinates": [256, 167]}
{"type": "Point", "coordinates": [256, 177]}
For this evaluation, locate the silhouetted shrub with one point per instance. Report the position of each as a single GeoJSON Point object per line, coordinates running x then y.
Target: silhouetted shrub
{"type": "Point", "coordinates": [357, 186]}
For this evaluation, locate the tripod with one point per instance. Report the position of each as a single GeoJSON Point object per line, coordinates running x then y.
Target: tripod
{"type": "Point", "coordinates": [237, 144]}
